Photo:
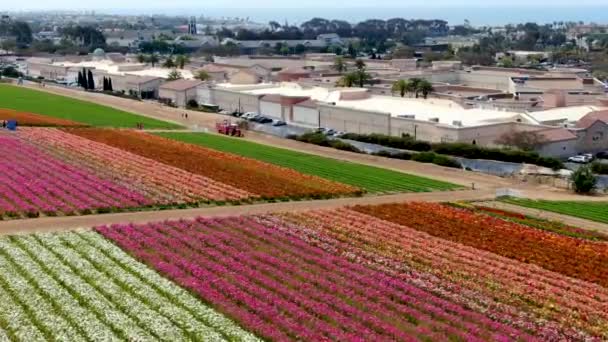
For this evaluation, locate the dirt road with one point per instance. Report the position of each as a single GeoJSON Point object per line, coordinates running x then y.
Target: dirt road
{"type": "Point", "coordinates": [49, 224]}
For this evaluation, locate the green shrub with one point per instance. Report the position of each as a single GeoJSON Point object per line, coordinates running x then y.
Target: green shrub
{"type": "Point", "coordinates": [583, 180]}
{"type": "Point", "coordinates": [344, 146]}
{"type": "Point", "coordinates": [599, 168]}
{"type": "Point", "coordinates": [424, 157]}
{"type": "Point", "coordinates": [458, 150]}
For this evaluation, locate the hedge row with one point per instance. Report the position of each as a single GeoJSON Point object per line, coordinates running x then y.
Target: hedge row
{"type": "Point", "coordinates": [458, 149]}
{"type": "Point", "coordinates": [423, 157]}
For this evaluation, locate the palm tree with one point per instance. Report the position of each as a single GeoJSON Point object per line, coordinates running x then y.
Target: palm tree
{"type": "Point", "coordinates": [348, 80]}
{"type": "Point", "coordinates": [202, 75]}
{"type": "Point", "coordinates": [402, 87]}
{"type": "Point", "coordinates": [174, 75]}
{"type": "Point", "coordinates": [425, 87]}
{"type": "Point", "coordinates": [181, 61]}
{"type": "Point", "coordinates": [339, 65]}
{"type": "Point", "coordinates": [153, 59]}
{"type": "Point", "coordinates": [416, 85]}
{"type": "Point", "coordinates": [362, 77]}
{"type": "Point", "coordinates": [169, 63]}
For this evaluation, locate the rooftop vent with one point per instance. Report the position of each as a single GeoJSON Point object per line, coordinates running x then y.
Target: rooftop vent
{"type": "Point", "coordinates": [434, 119]}
{"type": "Point", "coordinates": [457, 123]}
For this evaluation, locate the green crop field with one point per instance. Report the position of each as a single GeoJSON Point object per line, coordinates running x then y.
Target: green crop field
{"type": "Point", "coordinates": [371, 179]}
{"type": "Point", "coordinates": [594, 211]}
{"type": "Point", "coordinates": [33, 101]}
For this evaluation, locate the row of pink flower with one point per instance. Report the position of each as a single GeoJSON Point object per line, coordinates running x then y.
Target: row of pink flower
{"type": "Point", "coordinates": [282, 288]}
{"type": "Point", "coordinates": [33, 181]}
{"type": "Point", "coordinates": [522, 295]}
{"type": "Point", "coordinates": [162, 183]}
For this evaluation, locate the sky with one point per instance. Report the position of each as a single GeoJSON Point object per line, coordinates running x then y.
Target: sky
{"type": "Point", "coordinates": [320, 4]}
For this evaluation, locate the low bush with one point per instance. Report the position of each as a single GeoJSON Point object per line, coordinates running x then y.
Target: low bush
{"type": "Point", "coordinates": [458, 150]}
{"type": "Point", "coordinates": [599, 168]}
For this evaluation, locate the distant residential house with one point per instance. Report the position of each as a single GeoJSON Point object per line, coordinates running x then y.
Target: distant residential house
{"type": "Point", "coordinates": [179, 92]}
{"type": "Point", "coordinates": [215, 72]}
{"type": "Point", "coordinates": [245, 76]}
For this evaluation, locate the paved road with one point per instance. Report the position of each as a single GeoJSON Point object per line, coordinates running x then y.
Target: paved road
{"type": "Point", "coordinates": [49, 224]}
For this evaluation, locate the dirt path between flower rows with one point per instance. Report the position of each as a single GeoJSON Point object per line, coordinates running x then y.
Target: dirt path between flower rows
{"type": "Point", "coordinates": [548, 215]}
{"type": "Point", "coordinates": [49, 224]}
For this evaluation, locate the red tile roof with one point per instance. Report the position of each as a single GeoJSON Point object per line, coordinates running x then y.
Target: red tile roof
{"type": "Point", "coordinates": [589, 119]}
{"type": "Point", "coordinates": [556, 134]}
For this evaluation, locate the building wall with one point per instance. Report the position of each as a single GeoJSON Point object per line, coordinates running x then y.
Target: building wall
{"type": "Point", "coordinates": [306, 116]}
{"type": "Point", "coordinates": [593, 139]}
{"type": "Point", "coordinates": [231, 100]}
{"type": "Point", "coordinates": [355, 121]}
{"type": "Point", "coordinates": [271, 109]}
{"type": "Point", "coordinates": [559, 149]}
{"type": "Point", "coordinates": [168, 94]}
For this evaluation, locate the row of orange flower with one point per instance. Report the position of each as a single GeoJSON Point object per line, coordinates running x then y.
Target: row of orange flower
{"type": "Point", "coordinates": [263, 179]}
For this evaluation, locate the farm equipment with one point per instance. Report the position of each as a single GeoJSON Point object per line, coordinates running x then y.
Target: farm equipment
{"type": "Point", "coordinates": [228, 128]}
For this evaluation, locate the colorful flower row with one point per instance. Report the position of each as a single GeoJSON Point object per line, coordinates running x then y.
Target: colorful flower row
{"type": "Point", "coordinates": [281, 287]}
{"type": "Point", "coordinates": [162, 183]}
{"type": "Point", "coordinates": [265, 180]}
{"type": "Point", "coordinates": [585, 260]}
{"type": "Point", "coordinates": [80, 287]}
{"type": "Point", "coordinates": [34, 182]}
{"type": "Point", "coordinates": [523, 295]}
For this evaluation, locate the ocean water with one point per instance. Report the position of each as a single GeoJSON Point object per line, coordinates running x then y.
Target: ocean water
{"type": "Point", "coordinates": [455, 15]}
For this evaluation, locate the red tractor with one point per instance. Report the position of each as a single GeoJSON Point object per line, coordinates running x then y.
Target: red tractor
{"type": "Point", "coordinates": [228, 128]}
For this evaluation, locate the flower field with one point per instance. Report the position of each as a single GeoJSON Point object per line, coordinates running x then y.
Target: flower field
{"type": "Point", "coordinates": [33, 182]}
{"type": "Point", "coordinates": [585, 260]}
{"type": "Point", "coordinates": [265, 180]}
{"type": "Point", "coordinates": [79, 287]}
{"type": "Point", "coordinates": [345, 275]}
{"type": "Point", "coordinates": [31, 119]}
{"type": "Point", "coordinates": [161, 183]}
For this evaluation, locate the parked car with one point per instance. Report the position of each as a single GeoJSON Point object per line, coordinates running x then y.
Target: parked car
{"type": "Point", "coordinates": [278, 123]}
{"type": "Point", "coordinates": [581, 159]}
{"type": "Point", "coordinates": [339, 134]}
{"type": "Point", "coordinates": [602, 155]}
{"type": "Point", "coordinates": [263, 119]}
{"type": "Point", "coordinates": [254, 117]}
{"type": "Point", "coordinates": [330, 132]}
{"type": "Point", "coordinates": [249, 115]}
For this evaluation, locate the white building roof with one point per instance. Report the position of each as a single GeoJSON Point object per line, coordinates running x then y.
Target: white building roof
{"type": "Point", "coordinates": [113, 68]}
{"type": "Point", "coordinates": [446, 111]}
{"type": "Point", "coordinates": [567, 114]}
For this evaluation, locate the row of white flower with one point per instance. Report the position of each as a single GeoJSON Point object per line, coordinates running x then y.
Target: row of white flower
{"type": "Point", "coordinates": [78, 286]}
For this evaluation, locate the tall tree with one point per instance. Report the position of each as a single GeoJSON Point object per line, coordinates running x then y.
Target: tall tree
{"type": "Point", "coordinates": [402, 87]}
{"type": "Point", "coordinates": [202, 75]}
{"type": "Point", "coordinates": [105, 84]}
{"type": "Point", "coordinates": [425, 87]}
{"type": "Point", "coordinates": [85, 82]}
{"type": "Point", "coordinates": [181, 61]}
{"type": "Point", "coordinates": [348, 80]}
{"type": "Point", "coordinates": [80, 79]}
{"type": "Point", "coordinates": [153, 59]}
{"type": "Point", "coordinates": [90, 80]}
{"type": "Point", "coordinates": [110, 87]}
